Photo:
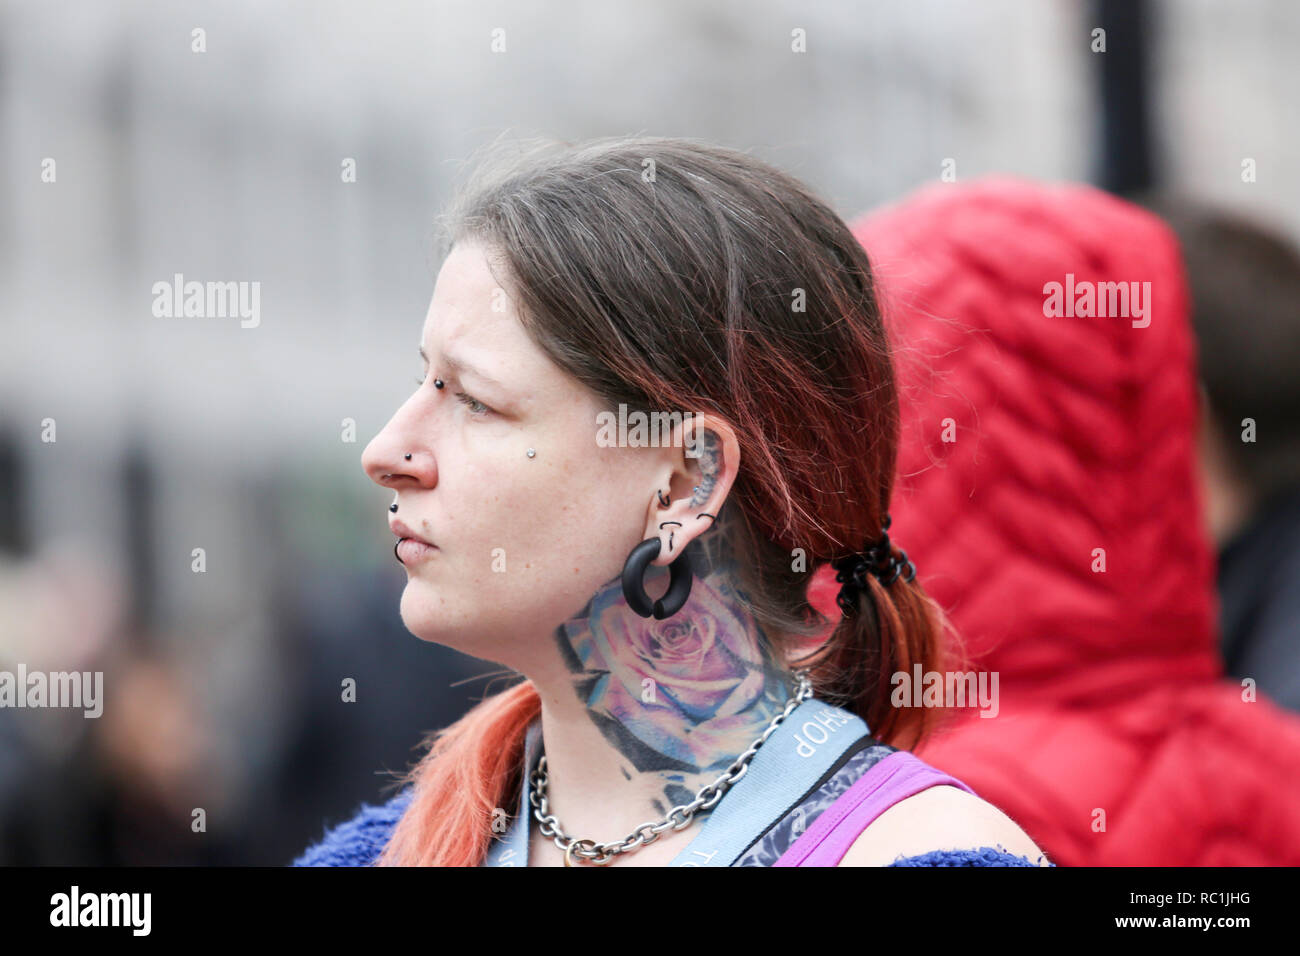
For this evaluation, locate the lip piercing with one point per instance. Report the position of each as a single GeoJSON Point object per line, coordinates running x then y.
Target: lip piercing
{"type": "Point", "coordinates": [408, 456]}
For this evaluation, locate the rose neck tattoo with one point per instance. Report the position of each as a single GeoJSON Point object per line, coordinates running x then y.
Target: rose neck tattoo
{"type": "Point", "coordinates": [679, 699]}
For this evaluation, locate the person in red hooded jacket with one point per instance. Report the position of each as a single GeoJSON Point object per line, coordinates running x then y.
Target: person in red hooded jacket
{"type": "Point", "coordinates": [1048, 495]}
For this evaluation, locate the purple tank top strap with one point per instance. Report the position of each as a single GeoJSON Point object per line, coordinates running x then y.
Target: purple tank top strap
{"type": "Point", "coordinates": [895, 778]}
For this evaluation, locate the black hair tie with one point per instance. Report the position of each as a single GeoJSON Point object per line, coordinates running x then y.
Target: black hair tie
{"type": "Point", "coordinates": [877, 559]}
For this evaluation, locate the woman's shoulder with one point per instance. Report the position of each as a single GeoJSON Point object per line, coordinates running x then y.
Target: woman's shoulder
{"type": "Point", "coordinates": [881, 806]}
{"type": "Point", "coordinates": [943, 825]}
{"type": "Point", "coordinates": [360, 840]}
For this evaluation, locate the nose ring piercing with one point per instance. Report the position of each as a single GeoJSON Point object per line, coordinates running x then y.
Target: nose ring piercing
{"type": "Point", "coordinates": [393, 507]}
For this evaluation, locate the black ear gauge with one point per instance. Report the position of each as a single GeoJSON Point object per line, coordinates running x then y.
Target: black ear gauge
{"type": "Point", "coordinates": [679, 581]}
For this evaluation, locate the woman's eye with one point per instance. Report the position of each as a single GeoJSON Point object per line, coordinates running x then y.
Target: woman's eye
{"type": "Point", "coordinates": [473, 403]}
{"type": "Point", "coordinates": [476, 408]}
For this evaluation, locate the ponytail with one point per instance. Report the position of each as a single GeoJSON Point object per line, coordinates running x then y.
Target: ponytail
{"type": "Point", "coordinates": [891, 629]}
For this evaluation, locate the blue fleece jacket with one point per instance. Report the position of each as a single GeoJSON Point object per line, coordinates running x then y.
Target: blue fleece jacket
{"type": "Point", "coordinates": [359, 841]}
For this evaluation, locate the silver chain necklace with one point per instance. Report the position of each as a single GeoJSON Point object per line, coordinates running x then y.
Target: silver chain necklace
{"type": "Point", "coordinates": [602, 853]}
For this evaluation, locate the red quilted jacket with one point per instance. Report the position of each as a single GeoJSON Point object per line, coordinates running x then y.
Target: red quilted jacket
{"type": "Point", "coordinates": [1118, 740]}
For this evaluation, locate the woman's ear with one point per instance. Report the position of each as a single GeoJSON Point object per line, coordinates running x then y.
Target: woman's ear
{"type": "Point", "coordinates": [704, 462]}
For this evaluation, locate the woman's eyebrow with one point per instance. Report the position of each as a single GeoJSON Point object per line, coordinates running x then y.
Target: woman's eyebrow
{"type": "Point", "coordinates": [463, 366]}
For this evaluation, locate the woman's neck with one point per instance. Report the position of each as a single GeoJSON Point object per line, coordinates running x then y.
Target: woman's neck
{"type": "Point", "coordinates": [643, 713]}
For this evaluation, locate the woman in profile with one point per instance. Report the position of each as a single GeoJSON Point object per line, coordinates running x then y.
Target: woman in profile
{"type": "Point", "coordinates": [657, 396]}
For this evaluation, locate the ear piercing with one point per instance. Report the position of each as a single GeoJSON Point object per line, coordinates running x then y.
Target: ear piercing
{"type": "Point", "coordinates": [670, 534]}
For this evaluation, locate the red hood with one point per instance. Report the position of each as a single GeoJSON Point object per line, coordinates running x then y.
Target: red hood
{"type": "Point", "coordinates": [1071, 434]}
{"type": "Point", "coordinates": [1114, 744]}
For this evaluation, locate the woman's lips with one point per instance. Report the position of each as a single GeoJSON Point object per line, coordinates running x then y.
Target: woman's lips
{"type": "Point", "coordinates": [411, 550]}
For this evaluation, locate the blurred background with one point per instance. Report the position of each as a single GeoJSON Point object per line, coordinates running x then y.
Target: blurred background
{"type": "Point", "coordinates": [140, 140]}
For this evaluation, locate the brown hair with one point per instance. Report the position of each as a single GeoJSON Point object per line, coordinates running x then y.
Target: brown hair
{"type": "Point", "coordinates": [665, 273]}
{"type": "Point", "coordinates": [1245, 285]}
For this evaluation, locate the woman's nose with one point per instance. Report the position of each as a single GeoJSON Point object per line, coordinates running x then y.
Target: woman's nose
{"type": "Point", "coordinates": [395, 461]}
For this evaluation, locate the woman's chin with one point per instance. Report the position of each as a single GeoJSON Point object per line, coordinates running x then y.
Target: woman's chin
{"type": "Point", "coordinates": [424, 614]}
{"type": "Point", "coordinates": [430, 619]}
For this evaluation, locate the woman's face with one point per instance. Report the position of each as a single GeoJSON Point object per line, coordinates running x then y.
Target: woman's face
{"type": "Point", "coordinates": [521, 544]}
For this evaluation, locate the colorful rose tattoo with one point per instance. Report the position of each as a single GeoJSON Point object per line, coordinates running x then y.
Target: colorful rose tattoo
{"type": "Point", "coordinates": [713, 687]}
